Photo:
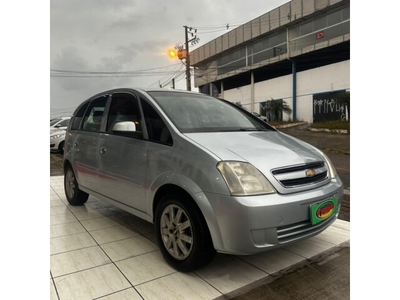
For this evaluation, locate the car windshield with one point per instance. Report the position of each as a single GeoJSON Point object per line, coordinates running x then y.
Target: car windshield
{"type": "Point", "coordinates": [54, 121]}
{"type": "Point", "coordinates": [201, 113]}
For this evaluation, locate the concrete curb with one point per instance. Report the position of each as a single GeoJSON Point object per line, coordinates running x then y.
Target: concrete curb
{"type": "Point", "coordinates": [290, 125]}
{"type": "Point", "coordinates": [344, 131]}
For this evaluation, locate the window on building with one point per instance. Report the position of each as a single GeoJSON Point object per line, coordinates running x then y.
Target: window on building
{"type": "Point", "coordinates": [321, 28]}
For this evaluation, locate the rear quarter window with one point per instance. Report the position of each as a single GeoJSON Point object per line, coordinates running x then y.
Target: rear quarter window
{"type": "Point", "coordinates": [78, 117]}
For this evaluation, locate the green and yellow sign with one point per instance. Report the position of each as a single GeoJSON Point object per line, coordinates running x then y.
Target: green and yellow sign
{"type": "Point", "coordinates": [323, 210]}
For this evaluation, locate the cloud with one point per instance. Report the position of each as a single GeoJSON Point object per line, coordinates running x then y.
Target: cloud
{"type": "Point", "coordinates": [131, 35]}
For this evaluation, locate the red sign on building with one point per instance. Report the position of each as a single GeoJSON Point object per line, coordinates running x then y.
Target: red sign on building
{"type": "Point", "coordinates": [320, 35]}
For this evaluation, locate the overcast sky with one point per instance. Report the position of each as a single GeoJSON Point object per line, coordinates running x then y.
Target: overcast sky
{"type": "Point", "coordinates": [95, 36]}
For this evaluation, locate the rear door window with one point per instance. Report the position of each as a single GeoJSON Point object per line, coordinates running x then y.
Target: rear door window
{"type": "Point", "coordinates": [78, 117]}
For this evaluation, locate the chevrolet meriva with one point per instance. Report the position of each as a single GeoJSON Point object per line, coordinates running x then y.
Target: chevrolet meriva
{"type": "Point", "coordinates": [209, 175]}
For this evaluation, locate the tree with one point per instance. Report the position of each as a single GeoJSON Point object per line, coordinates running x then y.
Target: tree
{"type": "Point", "coordinates": [275, 107]}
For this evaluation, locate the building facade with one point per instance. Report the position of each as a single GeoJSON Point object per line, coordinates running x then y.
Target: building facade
{"type": "Point", "coordinates": [298, 53]}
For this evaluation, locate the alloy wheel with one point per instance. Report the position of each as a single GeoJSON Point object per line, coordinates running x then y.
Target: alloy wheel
{"type": "Point", "coordinates": [176, 232]}
{"type": "Point", "coordinates": [70, 184]}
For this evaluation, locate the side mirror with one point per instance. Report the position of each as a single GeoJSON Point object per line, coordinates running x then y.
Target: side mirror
{"type": "Point", "coordinates": [125, 126]}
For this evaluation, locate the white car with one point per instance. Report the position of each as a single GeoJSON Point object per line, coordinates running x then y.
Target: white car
{"type": "Point", "coordinates": [57, 139]}
{"type": "Point", "coordinates": [59, 124]}
{"type": "Point", "coordinates": [262, 118]}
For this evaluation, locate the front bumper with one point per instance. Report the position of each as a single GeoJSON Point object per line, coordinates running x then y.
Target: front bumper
{"type": "Point", "coordinates": [249, 225]}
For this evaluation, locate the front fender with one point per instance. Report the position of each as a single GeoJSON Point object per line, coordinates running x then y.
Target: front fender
{"type": "Point", "coordinates": [188, 185]}
{"type": "Point", "coordinates": [172, 178]}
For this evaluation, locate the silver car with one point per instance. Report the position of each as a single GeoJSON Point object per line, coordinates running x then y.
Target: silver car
{"type": "Point", "coordinates": [210, 175]}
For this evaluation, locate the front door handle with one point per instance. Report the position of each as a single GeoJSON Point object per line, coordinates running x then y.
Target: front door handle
{"type": "Point", "coordinates": [103, 150]}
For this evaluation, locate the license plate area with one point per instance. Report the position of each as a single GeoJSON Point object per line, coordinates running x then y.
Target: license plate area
{"type": "Point", "coordinates": [322, 210]}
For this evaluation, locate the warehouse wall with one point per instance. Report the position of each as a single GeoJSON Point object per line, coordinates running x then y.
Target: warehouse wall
{"type": "Point", "coordinates": [328, 78]}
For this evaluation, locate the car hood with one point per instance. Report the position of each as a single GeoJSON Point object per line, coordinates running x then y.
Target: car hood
{"type": "Point", "coordinates": [54, 129]}
{"type": "Point", "coordinates": [264, 150]}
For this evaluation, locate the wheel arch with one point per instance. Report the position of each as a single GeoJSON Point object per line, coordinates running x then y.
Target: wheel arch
{"type": "Point", "coordinates": [201, 204]}
{"type": "Point", "coordinates": [170, 188]}
{"type": "Point", "coordinates": [66, 163]}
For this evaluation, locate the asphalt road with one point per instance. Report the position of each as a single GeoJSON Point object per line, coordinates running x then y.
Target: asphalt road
{"type": "Point", "coordinates": [327, 277]}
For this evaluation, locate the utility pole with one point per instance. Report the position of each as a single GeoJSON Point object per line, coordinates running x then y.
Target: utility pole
{"type": "Point", "coordinates": [194, 40]}
{"type": "Point", "coordinates": [188, 83]}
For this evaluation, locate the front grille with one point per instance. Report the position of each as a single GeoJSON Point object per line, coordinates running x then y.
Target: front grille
{"type": "Point", "coordinates": [295, 231]}
{"type": "Point", "coordinates": [297, 175]}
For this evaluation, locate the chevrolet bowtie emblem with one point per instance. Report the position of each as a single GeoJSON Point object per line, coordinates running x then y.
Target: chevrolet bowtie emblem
{"type": "Point", "coordinates": [310, 173]}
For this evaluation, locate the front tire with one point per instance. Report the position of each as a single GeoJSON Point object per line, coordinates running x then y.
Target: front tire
{"type": "Point", "coordinates": [182, 233]}
{"type": "Point", "coordinates": [74, 195]}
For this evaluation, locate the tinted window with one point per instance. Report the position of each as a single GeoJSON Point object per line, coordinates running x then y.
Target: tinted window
{"type": "Point", "coordinates": [78, 117]}
{"type": "Point", "coordinates": [64, 123]}
{"type": "Point", "coordinates": [124, 107]}
{"type": "Point", "coordinates": [156, 128]}
{"type": "Point", "coordinates": [52, 122]}
{"type": "Point", "coordinates": [94, 114]}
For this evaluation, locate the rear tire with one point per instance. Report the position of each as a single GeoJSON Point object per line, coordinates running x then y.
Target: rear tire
{"type": "Point", "coordinates": [74, 195]}
{"type": "Point", "coordinates": [182, 233]}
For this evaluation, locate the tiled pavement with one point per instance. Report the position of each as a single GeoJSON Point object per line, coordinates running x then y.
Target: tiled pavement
{"type": "Point", "coordinates": [98, 251]}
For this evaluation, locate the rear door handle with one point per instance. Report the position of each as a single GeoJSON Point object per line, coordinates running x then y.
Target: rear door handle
{"type": "Point", "coordinates": [103, 150]}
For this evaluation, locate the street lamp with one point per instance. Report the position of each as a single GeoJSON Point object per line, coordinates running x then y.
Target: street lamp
{"type": "Point", "coordinates": [184, 53]}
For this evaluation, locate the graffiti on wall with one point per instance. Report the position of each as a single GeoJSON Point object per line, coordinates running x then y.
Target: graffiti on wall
{"type": "Point", "coordinates": [326, 107]}
{"type": "Point", "coordinates": [265, 111]}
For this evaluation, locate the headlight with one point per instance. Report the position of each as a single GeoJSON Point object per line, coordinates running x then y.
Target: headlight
{"type": "Point", "coordinates": [56, 136]}
{"type": "Point", "coordinates": [244, 179]}
{"type": "Point", "coordinates": [332, 169]}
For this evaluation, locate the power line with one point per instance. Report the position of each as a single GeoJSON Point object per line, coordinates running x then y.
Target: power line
{"type": "Point", "coordinates": [112, 72]}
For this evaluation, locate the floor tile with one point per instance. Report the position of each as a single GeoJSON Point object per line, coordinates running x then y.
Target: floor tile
{"type": "Point", "coordinates": [66, 217]}
{"type": "Point", "coordinates": [128, 248]}
{"type": "Point", "coordinates": [80, 261]}
{"type": "Point", "coordinates": [178, 286]}
{"type": "Point", "coordinates": [274, 260]}
{"type": "Point", "coordinates": [92, 283]}
{"type": "Point", "coordinates": [140, 225]}
{"type": "Point", "coordinates": [342, 224]}
{"type": "Point", "coordinates": [99, 223]}
{"type": "Point", "coordinates": [335, 235]}
{"type": "Point", "coordinates": [71, 242]}
{"type": "Point", "coordinates": [310, 247]}
{"type": "Point", "coordinates": [53, 293]}
{"type": "Point", "coordinates": [66, 229]}
{"type": "Point", "coordinates": [77, 260]}
{"type": "Point", "coordinates": [152, 236]}
{"type": "Point", "coordinates": [146, 267]}
{"type": "Point", "coordinates": [113, 234]}
{"type": "Point", "coordinates": [77, 208]}
{"type": "Point", "coordinates": [230, 273]}
{"type": "Point", "coordinates": [128, 294]}
{"type": "Point", "coordinates": [57, 210]}
{"type": "Point", "coordinates": [57, 202]}
{"type": "Point", "coordinates": [87, 214]}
